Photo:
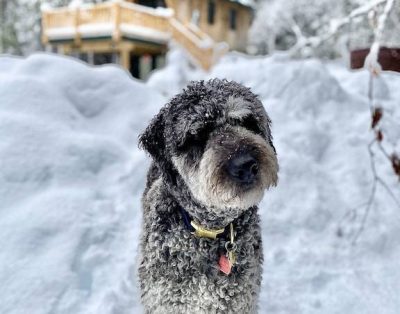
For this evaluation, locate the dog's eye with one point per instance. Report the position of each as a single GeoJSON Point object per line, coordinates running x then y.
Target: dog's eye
{"type": "Point", "coordinates": [195, 142]}
{"type": "Point", "coordinates": [251, 124]}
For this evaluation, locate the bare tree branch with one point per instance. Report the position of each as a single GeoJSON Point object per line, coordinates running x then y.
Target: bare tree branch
{"type": "Point", "coordinates": [374, 70]}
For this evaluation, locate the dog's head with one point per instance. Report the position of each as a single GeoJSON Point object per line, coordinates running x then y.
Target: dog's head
{"type": "Point", "coordinates": [215, 136]}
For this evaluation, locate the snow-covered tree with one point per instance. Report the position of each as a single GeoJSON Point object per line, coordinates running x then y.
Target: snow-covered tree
{"type": "Point", "coordinates": [321, 28]}
{"type": "Point", "coordinates": [280, 25]}
{"type": "Point", "coordinates": [20, 24]}
{"type": "Point", "coordinates": [8, 32]}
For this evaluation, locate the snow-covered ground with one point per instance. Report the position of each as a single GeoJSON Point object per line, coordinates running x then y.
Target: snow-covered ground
{"type": "Point", "coordinates": [71, 177]}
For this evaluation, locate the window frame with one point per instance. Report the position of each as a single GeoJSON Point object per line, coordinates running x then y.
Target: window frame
{"type": "Point", "coordinates": [232, 19]}
{"type": "Point", "coordinates": [211, 8]}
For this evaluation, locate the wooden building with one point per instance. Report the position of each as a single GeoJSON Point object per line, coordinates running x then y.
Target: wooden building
{"type": "Point", "coordinates": [223, 20]}
{"type": "Point", "coordinates": [136, 34]}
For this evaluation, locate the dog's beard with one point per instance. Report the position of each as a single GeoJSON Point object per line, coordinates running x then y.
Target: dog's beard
{"type": "Point", "coordinates": [211, 186]}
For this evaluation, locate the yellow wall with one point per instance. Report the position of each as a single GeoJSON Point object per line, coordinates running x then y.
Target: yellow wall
{"type": "Point", "coordinates": [220, 30]}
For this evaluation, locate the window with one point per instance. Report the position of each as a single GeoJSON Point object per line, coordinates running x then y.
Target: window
{"type": "Point", "coordinates": [103, 58]}
{"type": "Point", "coordinates": [232, 18]}
{"type": "Point", "coordinates": [152, 3]}
{"type": "Point", "coordinates": [211, 12]}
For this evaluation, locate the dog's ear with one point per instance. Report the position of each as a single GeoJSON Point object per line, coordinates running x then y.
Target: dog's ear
{"type": "Point", "coordinates": [152, 139]}
{"type": "Point", "coordinates": [271, 143]}
{"type": "Point", "coordinates": [268, 132]}
{"type": "Point", "coordinates": [269, 135]}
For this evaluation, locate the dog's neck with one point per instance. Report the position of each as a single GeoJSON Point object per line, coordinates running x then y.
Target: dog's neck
{"type": "Point", "coordinates": [199, 230]}
{"type": "Point", "coordinates": [202, 215]}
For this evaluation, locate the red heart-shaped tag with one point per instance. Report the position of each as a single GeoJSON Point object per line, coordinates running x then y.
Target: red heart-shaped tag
{"type": "Point", "coordinates": [224, 265]}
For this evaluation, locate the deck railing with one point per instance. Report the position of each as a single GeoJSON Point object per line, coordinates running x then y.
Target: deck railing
{"type": "Point", "coordinates": [116, 16]}
{"type": "Point", "coordinates": [101, 13]}
{"type": "Point", "coordinates": [145, 17]}
{"type": "Point", "coordinates": [202, 51]}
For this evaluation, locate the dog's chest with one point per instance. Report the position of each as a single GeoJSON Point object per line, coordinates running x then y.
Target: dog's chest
{"type": "Point", "coordinates": [190, 265]}
{"type": "Point", "coordinates": [192, 255]}
{"type": "Point", "coordinates": [179, 267]}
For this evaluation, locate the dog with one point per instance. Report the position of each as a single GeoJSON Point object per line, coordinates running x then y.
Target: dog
{"type": "Point", "coordinates": [213, 158]}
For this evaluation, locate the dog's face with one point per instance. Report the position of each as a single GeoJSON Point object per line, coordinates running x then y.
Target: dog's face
{"type": "Point", "coordinates": [216, 137]}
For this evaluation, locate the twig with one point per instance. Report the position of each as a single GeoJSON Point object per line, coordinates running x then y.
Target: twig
{"type": "Point", "coordinates": [372, 195]}
{"type": "Point", "coordinates": [374, 68]}
{"type": "Point", "coordinates": [352, 214]}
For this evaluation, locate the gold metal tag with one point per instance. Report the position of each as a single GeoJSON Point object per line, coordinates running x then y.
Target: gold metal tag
{"type": "Point", "coordinates": [206, 233]}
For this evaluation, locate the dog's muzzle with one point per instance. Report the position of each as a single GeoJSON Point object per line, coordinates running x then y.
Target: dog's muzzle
{"type": "Point", "coordinates": [243, 168]}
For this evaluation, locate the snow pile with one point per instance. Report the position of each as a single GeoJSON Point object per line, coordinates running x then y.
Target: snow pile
{"type": "Point", "coordinates": [72, 175]}
{"type": "Point", "coordinates": [70, 182]}
{"type": "Point", "coordinates": [178, 72]}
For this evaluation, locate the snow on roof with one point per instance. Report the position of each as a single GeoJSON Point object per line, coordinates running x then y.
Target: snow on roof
{"type": "Point", "coordinates": [144, 33]}
{"type": "Point", "coordinates": [160, 11]}
{"type": "Point", "coordinates": [246, 3]}
{"type": "Point", "coordinates": [106, 29]}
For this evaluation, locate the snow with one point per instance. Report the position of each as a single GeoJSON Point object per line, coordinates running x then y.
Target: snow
{"type": "Point", "coordinates": [70, 212]}
{"type": "Point", "coordinates": [95, 29]}
{"type": "Point", "coordinates": [85, 30]}
{"type": "Point", "coordinates": [75, 4]}
{"type": "Point", "coordinates": [107, 29]}
{"type": "Point", "coordinates": [248, 3]}
{"type": "Point", "coordinates": [71, 178]}
{"type": "Point", "coordinates": [61, 32]}
{"type": "Point", "coordinates": [144, 33]}
{"type": "Point", "coordinates": [159, 11]}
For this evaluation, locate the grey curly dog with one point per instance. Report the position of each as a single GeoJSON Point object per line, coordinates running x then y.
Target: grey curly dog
{"type": "Point", "coordinates": [213, 158]}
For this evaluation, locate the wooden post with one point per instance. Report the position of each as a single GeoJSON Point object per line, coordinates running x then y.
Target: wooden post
{"type": "Point", "coordinates": [45, 38]}
{"type": "Point", "coordinates": [117, 22]}
{"type": "Point", "coordinates": [77, 39]}
{"type": "Point", "coordinates": [125, 59]}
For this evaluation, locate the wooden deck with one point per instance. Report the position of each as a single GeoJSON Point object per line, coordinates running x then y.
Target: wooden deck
{"type": "Point", "coordinates": [120, 21]}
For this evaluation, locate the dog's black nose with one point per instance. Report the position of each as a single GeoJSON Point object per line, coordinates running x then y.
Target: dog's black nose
{"type": "Point", "coordinates": [243, 168]}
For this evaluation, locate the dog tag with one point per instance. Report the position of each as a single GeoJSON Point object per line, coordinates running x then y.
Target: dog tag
{"type": "Point", "coordinates": [225, 265]}
{"type": "Point", "coordinates": [232, 257]}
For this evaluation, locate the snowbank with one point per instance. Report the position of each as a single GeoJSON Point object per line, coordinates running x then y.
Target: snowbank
{"type": "Point", "coordinates": [71, 178]}
{"type": "Point", "coordinates": [70, 183]}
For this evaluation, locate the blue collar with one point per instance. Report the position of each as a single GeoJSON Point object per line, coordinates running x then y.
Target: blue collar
{"type": "Point", "coordinates": [186, 219]}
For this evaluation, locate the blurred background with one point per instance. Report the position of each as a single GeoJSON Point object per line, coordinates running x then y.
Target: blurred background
{"type": "Point", "coordinates": [80, 80]}
{"type": "Point", "coordinates": [137, 34]}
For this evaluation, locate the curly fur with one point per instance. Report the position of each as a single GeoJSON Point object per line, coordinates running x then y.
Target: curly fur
{"type": "Point", "coordinates": [190, 141]}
